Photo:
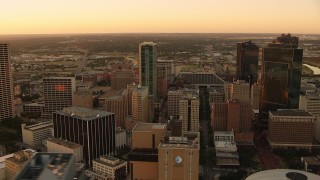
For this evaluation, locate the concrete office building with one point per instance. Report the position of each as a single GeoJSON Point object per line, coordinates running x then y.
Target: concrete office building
{"type": "Point", "coordinates": [280, 75]}
{"type": "Point", "coordinates": [219, 116]}
{"type": "Point", "coordinates": [140, 104]}
{"type": "Point", "coordinates": [108, 168]}
{"type": "Point", "coordinates": [179, 157]}
{"type": "Point", "coordinates": [173, 103]}
{"type": "Point", "coordinates": [291, 128]}
{"type": "Point", "coordinates": [310, 102]}
{"type": "Point", "coordinates": [247, 62]}
{"type": "Point", "coordinates": [121, 139]}
{"type": "Point", "coordinates": [63, 146]}
{"type": "Point", "coordinates": [83, 99]}
{"type": "Point", "coordinates": [216, 95]}
{"type": "Point", "coordinates": [120, 78]}
{"type": "Point", "coordinates": [35, 134]}
{"type": "Point", "coordinates": [57, 94]}
{"type": "Point", "coordinates": [17, 162]}
{"type": "Point", "coordinates": [189, 111]}
{"type": "Point", "coordinates": [143, 158]}
{"type": "Point", "coordinates": [53, 166]}
{"type": "Point", "coordinates": [93, 129]}
{"type": "Point", "coordinates": [240, 90]}
{"type": "Point", "coordinates": [7, 108]}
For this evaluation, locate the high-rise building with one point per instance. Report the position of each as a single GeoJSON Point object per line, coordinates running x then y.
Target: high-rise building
{"type": "Point", "coordinates": [240, 90]}
{"type": "Point", "coordinates": [179, 157]}
{"type": "Point", "coordinates": [140, 104]}
{"type": "Point", "coordinates": [189, 106]}
{"type": "Point", "coordinates": [57, 94]}
{"type": "Point", "coordinates": [148, 67]}
{"type": "Point", "coordinates": [173, 103]}
{"type": "Point", "coordinates": [247, 61]}
{"type": "Point", "coordinates": [121, 78]}
{"type": "Point", "coordinates": [83, 99]}
{"type": "Point", "coordinates": [93, 129]}
{"type": "Point", "coordinates": [7, 109]}
{"type": "Point", "coordinates": [280, 76]}
{"type": "Point", "coordinates": [219, 116]}
{"type": "Point", "coordinates": [291, 128]}
{"type": "Point", "coordinates": [162, 81]}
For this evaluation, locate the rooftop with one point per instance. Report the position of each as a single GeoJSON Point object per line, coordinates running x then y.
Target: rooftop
{"type": "Point", "coordinates": [34, 104]}
{"type": "Point", "coordinates": [188, 140]}
{"type": "Point", "coordinates": [291, 112]}
{"type": "Point", "coordinates": [48, 166]}
{"type": "Point", "coordinates": [65, 143]}
{"type": "Point", "coordinates": [140, 126]}
{"type": "Point", "coordinates": [39, 126]}
{"type": "Point", "coordinates": [148, 43]}
{"type": "Point", "coordinates": [219, 133]}
{"type": "Point", "coordinates": [83, 113]}
{"type": "Point", "coordinates": [311, 160]}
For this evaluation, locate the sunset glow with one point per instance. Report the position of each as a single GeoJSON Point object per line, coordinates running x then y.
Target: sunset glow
{"type": "Point", "coordinates": [162, 16]}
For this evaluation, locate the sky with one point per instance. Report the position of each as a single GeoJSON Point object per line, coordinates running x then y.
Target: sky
{"type": "Point", "coordinates": [159, 16]}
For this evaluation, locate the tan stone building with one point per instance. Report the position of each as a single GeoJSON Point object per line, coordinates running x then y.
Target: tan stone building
{"type": "Point", "coordinates": [173, 102]}
{"type": "Point", "coordinates": [179, 157]}
{"type": "Point", "coordinates": [63, 146]}
{"type": "Point", "coordinates": [140, 108]}
{"type": "Point", "coordinates": [143, 158]}
{"type": "Point", "coordinates": [189, 111]}
{"type": "Point", "coordinates": [291, 128]}
{"type": "Point", "coordinates": [108, 168]}
{"type": "Point", "coordinates": [16, 163]}
{"type": "Point", "coordinates": [240, 90]}
{"type": "Point", "coordinates": [255, 96]}
{"type": "Point", "coordinates": [117, 104]}
{"type": "Point", "coordinates": [35, 134]}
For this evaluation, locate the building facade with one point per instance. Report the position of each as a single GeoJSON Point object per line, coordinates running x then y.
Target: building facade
{"type": "Point", "coordinates": [62, 146]}
{"type": "Point", "coordinates": [118, 106]}
{"type": "Point", "coordinates": [120, 78]}
{"type": "Point", "coordinates": [83, 99]}
{"type": "Point", "coordinates": [240, 90]}
{"type": "Point", "coordinates": [140, 107]}
{"type": "Point", "coordinates": [17, 162]}
{"type": "Point", "coordinates": [7, 108]}
{"type": "Point", "coordinates": [280, 77]}
{"type": "Point", "coordinates": [93, 129]}
{"type": "Point", "coordinates": [189, 112]}
{"type": "Point", "coordinates": [35, 134]}
{"type": "Point", "coordinates": [148, 56]}
{"type": "Point", "coordinates": [57, 94]}
{"type": "Point", "coordinates": [247, 61]}
{"type": "Point", "coordinates": [291, 128]}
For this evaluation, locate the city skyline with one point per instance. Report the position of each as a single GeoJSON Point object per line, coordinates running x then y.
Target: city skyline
{"type": "Point", "coordinates": [61, 17]}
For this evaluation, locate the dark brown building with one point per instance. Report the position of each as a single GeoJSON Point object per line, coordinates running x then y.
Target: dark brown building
{"type": "Point", "coordinates": [291, 128]}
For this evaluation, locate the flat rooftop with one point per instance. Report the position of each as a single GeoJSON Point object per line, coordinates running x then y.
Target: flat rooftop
{"type": "Point", "coordinates": [65, 143]}
{"type": "Point", "coordinates": [39, 126]}
{"type": "Point", "coordinates": [291, 112]}
{"type": "Point", "coordinates": [140, 126]}
{"type": "Point", "coordinates": [83, 113]}
{"type": "Point", "coordinates": [188, 140]}
{"type": "Point", "coordinates": [34, 104]}
{"type": "Point", "coordinates": [223, 133]}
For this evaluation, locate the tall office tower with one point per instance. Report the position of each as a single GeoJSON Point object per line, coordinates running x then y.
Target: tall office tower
{"type": "Point", "coordinates": [239, 116]}
{"type": "Point", "coordinates": [173, 103]}
{"type": "Point", "coordinates": [130, 89]}
{"type": "Point", "coordinates": [57, 94]}
{"type": "Point", "coordinates": [247, 61]}
{"type": "Point", "coordinates": [118, 106]}
{"type": "Point", "coordinates": [240, 90]}
{"type": "Point", "coordinates": [179, 157]}
{"type": "Point", "coordinates": [7, 109]}
{"type": "Point", "coordinates": [189, 111]}
{"type": "Point", "coordinates": [140, 104]}
{"type": "Point", "coordinates": [162, 81]}
{"type": "Point", "coordinates": [280, 76]}
{"type": "Point", "coordinates": [148, 67]}
{"type": "Point", "coordinates": [255, 96]}
{"type": "Point", "coordinates": [93, 129]}
{"type": "Point", "coordinates": [120, 78]}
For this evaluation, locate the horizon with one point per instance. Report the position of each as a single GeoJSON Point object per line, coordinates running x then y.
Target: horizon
{"type": "Point", "coordinates": [130, 17]}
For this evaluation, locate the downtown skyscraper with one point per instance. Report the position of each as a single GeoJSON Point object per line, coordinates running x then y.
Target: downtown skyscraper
{"type": "Point", "coordinates": [247, 62]}
{"type": "Point", "coordinates": [280, 75]}
{"type": "Point", "coordinates": [7, 109]}
{"type": "Point", "coordinates": [148, 66]}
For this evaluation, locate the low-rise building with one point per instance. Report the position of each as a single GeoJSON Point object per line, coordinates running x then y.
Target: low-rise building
{"type": "Point", "coordinates": [35, 134]}
{"type": "Point", "coordinates": [16, 163]}
{"type": "Point", "coordinates": [121, 139]}
{"type": "Point", "coordinates": [311, 164]}
{"type": "Point", "coordinates": [226, 149]}
{"type": "Point", "coordinates": [108, 168]}
{"type": "Point", "coordinates": [63, 146]}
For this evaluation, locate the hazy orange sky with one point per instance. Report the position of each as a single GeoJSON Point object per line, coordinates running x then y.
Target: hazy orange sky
{"type": "Point", "coordinates": [159, 16]}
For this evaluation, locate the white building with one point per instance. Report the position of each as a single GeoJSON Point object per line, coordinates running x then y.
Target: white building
{"type": "Point", "coordinates": [62, 146]}
{"type": "Point", "coordinates": [108, 168]}
{"type": "Point", "coordinates": [227, 136]}
{"type": "Point", "coordinates": [34, 134]}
